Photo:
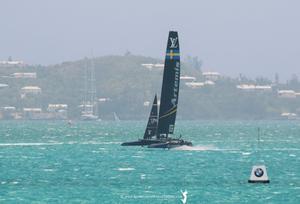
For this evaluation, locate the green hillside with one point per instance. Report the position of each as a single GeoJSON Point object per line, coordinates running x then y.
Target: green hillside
{"type": "Point", "coordinates": [128, 85]}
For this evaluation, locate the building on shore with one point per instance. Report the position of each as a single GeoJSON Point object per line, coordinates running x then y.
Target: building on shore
{"type": "Point", "coordinates": [3, 86]}
{"type": "Point", "coordinates": [187, 78]}
{"type": "Point", "coordinates": [30, 90]}
{"type": "Point", "coordinates": [24, 75]}
{"type": "Point", "coordinates": [32, 113]}
{"type": "Point", "coordinates": [146, 103]}
{"type": "Point", "coordinates": [212, 76]}
{"type": "Point", "coordinates": [58, 111]}
{"type": "Point", "coordinates": [153, 66]}
{"type": "Point", "coordinates": [287, 94]}
{"type": "Point", "coordinates": [8, 112]}
{"type": "Point", "coordinates": [289, 116]}
{"type": "Point", "coordinates": [194, 85]}
{"type": "Point", "coordinates": [209, 83]}
{"type": "Point", "coordinates": [253, 87]}
{"type": "Point", "coordinates": [11, 63]}
{"type": "Point", "coordinates": [54, 112]}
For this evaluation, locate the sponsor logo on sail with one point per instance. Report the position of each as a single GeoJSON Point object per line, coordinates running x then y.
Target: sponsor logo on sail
{"type": "Point", "coordinates": [153, 120]}
{"type": "Point", "coordinates": [174, 43]}
{"type": "Point", "coordinates": [176, 84]}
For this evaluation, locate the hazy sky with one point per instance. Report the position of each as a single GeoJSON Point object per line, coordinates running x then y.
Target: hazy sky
{"type": "Point", "coordinates": [253, 37]}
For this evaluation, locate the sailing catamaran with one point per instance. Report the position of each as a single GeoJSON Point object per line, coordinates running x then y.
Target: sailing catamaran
{"type": "Point", "coordinates": [160, 127]}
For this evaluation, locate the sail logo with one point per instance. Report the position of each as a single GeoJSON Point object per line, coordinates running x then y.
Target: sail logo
{"type": "Point", "coordinates": [153, 120]}
{"type": "Point", "coordinates": [174, 43]}
{"type": "Point", "coordinates": [184, 196]}
{"type": "Point", "coordinates": [176, 85]}
{"type": "Point", "coordinates": [173, 54]}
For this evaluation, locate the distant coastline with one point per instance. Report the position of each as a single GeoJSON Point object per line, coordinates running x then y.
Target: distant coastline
{"type": "Point", "coordinates": [125, 86]}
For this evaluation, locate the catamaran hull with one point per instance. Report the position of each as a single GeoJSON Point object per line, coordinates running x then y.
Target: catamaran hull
{"type": "Point", "coordinates": [158, 143]}
{"type": "Point", "coordinates": [142, 142]}
{"type": "Point", "coordinates": [170, 144]}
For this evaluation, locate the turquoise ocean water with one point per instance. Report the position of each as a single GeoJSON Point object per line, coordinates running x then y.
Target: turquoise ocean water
{"type": "Point", "coordinates": [51, 162]}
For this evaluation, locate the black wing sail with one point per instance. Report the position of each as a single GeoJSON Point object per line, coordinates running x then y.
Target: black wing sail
{"type": "Point", "coordinates": [152, 122]}
{"type": "Point", "coordinates": [170, 87]}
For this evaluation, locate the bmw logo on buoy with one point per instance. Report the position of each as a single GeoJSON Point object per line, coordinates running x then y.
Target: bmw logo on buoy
{"type": "Point", "coordinates": [259, 172]}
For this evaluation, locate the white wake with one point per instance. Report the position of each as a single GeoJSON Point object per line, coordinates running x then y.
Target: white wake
{"type": "Point", "coordinates": [195, 148]}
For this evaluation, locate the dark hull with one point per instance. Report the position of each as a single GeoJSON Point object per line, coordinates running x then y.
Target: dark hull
{"type": "Point", "coordinates": [142, 142]}
{"type": "Point", "coordinates": [170, 144]}
{"type": "Point", "coordinates": [264, 181]}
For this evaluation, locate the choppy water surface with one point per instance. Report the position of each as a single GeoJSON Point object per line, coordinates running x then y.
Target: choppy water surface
{"type": "Point", "coordinates": [51, 162]}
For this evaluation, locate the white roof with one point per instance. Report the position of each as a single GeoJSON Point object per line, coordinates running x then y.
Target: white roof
{"type": "Point", "coordinates": [288, 114]}
{"type": "Point", "coordinates": [32, 109]}
{"type": "Point", "coordinates": [86, 105]}
{"type": "Point", "coordinates": [263, 87]}
{"type": "Point", "coordinates": [31, 88]}
{"type": "Point", "coordinates": [194, 84]}
{"type": "Point", "coordinates": [286, 92]}
{"type": "Point", "coordinates": [159, 65]}
{"type": "Point", "coordinates": [211, 74]}
{"type": "Point", "coordinates": [147, 103]}
{"type": "Point", "coordinates": [253, 87]}
{"type": "Point", "coordinates": [3, 85]}
{"type": "Point", "coordinates": [208, 82]}
{"type": "Point", "coordinates": [57, 105]}
{"type": "Point", "coordinates": [246, 86]}
{"type": "Point", "coordinates": [186, 77]}
{"type": "Point", "coordinates": [12, 62]}
{"type": "Point", "coordinates": [24, 74]}
{"type": "Point", "coordinates": [150, 66]}
{"type": "Point", "coordinates": [9, 108]}
{"type": "Point", "coordinates": [103, 99]}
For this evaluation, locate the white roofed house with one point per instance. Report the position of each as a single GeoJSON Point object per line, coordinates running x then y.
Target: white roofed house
{"type": "Point", "coordinates": [31, 102]}
{"type": "Point", "coordinates": [8, 112]}
{"type": "Point", "coordinates": [194, 84]}
{"type": "Point", "coordinates": [34, 110]}
{"type": "Point", "coordinates": [32, 113]}
{"type": "Point", "coordinates": [266, 88]}
{"type": "Point", "coordinates": [187, 78]}
{"type": "Point", "coordinates": [104, 99]}
{"type": "Point", "coordinates": [289, 116]}
{"type": "Point", "coordinates": [209, 83]}
{"type": "Point", "coordinates": [39, 114]}
{"type": "Point", "coordinates": [287, 94]}
{"type": "Point", "coordinates": [190, 81]}
{"type": "Point", "coordinates": [146, 103]}
{"type": "Point", "coordinates": [23, 75]}
{"type": "Point", "coordinates": [153, 66]}
{"type": "Point", "coordinates": [56, 107]}
{"type": "Point", "coordinates": [252, 87]}
{"type": "Point", "coordinates": [30, 90]}
{"type": "Point", "coordinates": [212, 76]}
{"type": "Point", "coordinates": [58, 111]}
{"type": "Point", "coordinates": [11, 63]}
{"type": "Point", "coordinates": [3, 86]}
{"type": "Point", "coordinates": [246, 87]}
